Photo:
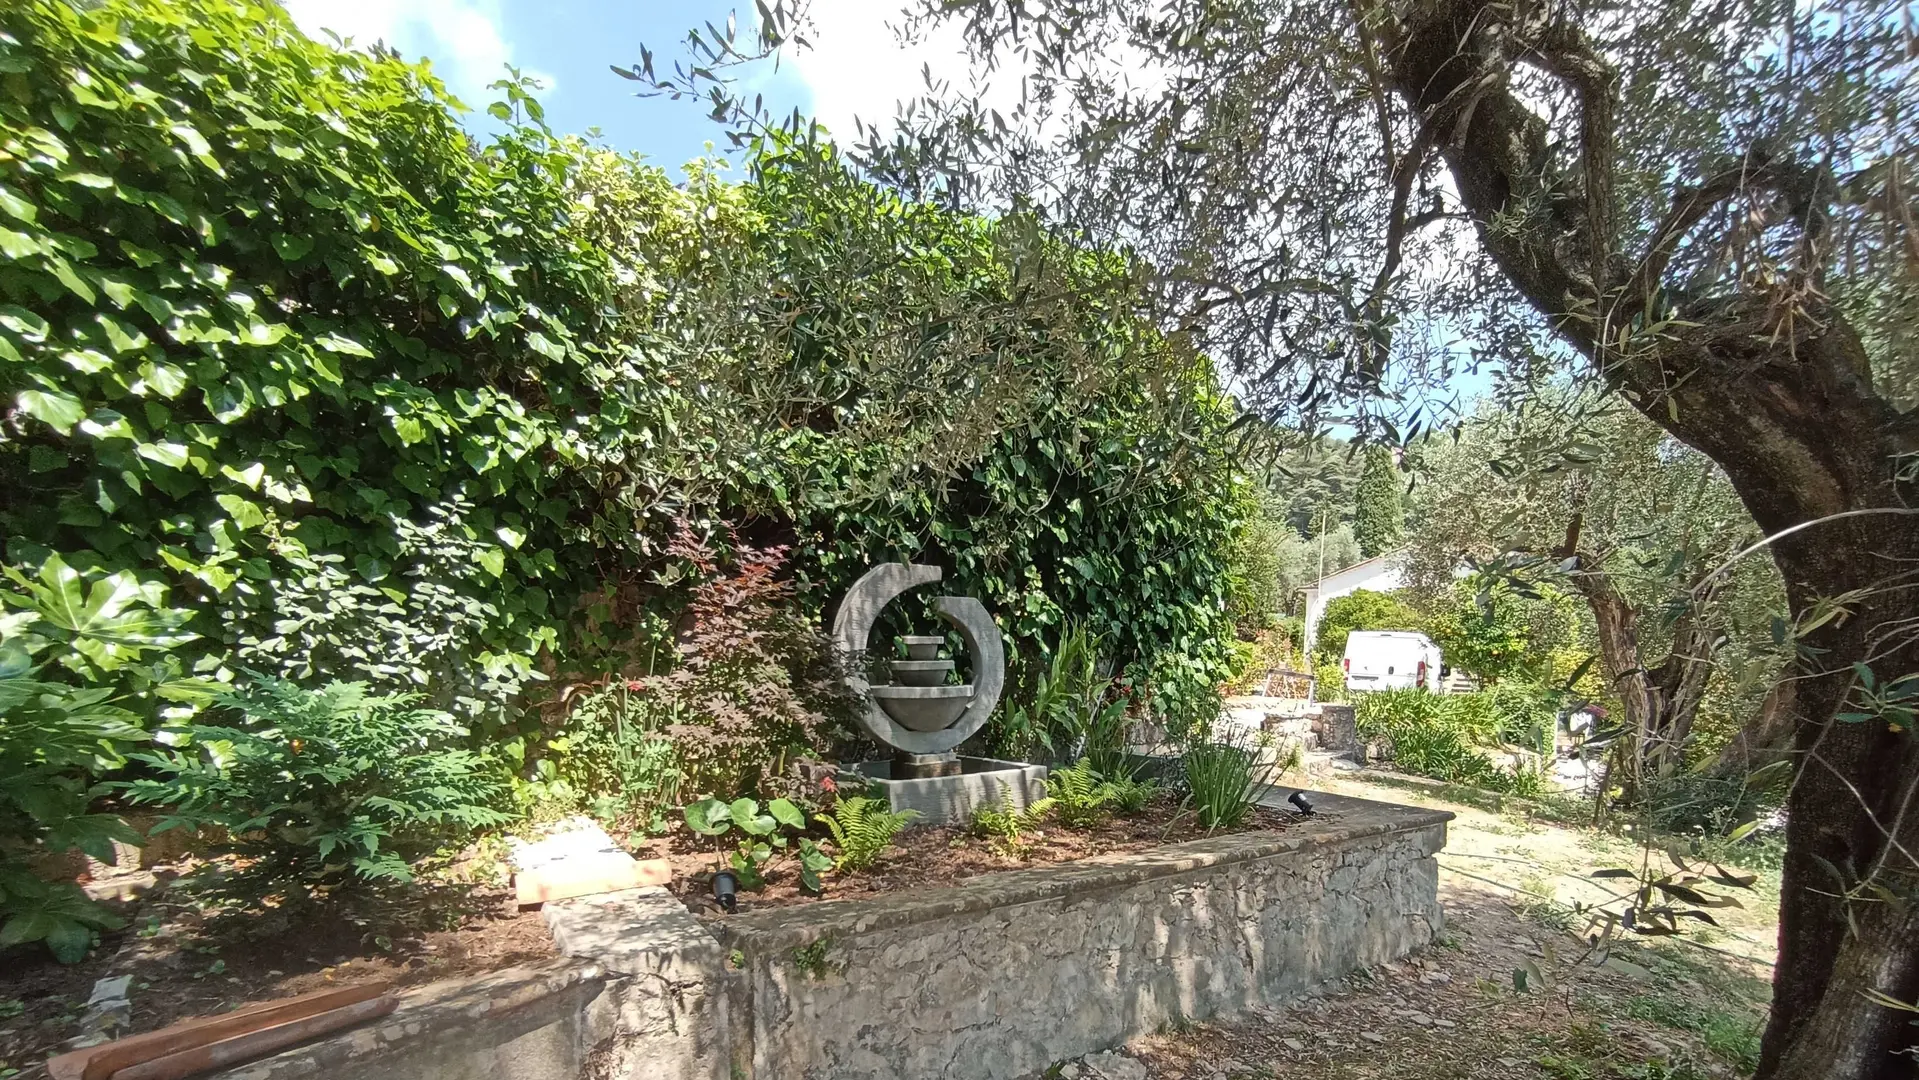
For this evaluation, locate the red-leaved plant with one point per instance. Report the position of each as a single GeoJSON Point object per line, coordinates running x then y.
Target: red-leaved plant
{"type": "Point", "coordinates": [754, 684]}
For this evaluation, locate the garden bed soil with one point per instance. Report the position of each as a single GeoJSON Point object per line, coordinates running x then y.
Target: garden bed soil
{"type": "Point", "coordinates": [932, 856]}
{"type": "Point", "coordinates": [189, 957]}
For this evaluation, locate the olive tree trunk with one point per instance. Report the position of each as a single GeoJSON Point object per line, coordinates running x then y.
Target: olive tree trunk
{"type": "Point", "coordinates": [1787, 409]}
{"type": "Point", "coordinates": [1659, 700]}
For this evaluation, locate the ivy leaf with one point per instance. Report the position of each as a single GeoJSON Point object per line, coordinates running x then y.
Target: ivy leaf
{"type": "Point", "coordinates": [121, 338]}
{"type": "Point", "coordinates": [58, 410]}
{"type": "Point", "coordinates": [165, 379]}
{"type": "Point", "coordinates": [244, 513]}
{"type": "Point", "coordinates": [172, 455]}
{"type": "Point", "coordinates": [292, 248]}
{"type": "Point", "coordinates": [16, 206]}
{"type": "Point", "coordinates": [250, 476]}
{"type": "Point", "coordinates": [493, 561]}
{"type": "Point", "coordinates": [337, 343]}
{"type": "Point", "coordinates": [87, 361]}
{"type": "Point", "coordinates": [18, 245]}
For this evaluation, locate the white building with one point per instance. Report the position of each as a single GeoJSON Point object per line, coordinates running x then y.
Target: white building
{"type": "Point", "coordinates": [1381, 573]}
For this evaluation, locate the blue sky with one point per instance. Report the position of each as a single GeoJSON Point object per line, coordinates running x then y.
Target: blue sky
{"type": "Point", "coordinates": [855, 66]}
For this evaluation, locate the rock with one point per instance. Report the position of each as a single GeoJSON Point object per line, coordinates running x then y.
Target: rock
{"type": "Point", "coordinates": [107, 1012]}
{"type": "Point", "coordinates": [1438, 1023]}
{"type": "Point", "coordinates": [1510, 1063]}
{"type": "Point", "coordinates": [1420, 1018]}
{"type": "Point", "coordinates": [1435, 978]}
{"type": "Point", "coordinates": [1070, 1071]}
{"type": "Point", "coordinates": [1108, 1065]}
{"type": "Point", "coordinates": [1373, 1037]}
{"type": "Point", "coordinates": [1294, 1045]}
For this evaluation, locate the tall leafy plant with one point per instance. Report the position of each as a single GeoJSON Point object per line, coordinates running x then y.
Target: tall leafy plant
{"type": "Point", "coordinates": [335, 785]}
{"type": "Point", "coordinates": [83, 667]}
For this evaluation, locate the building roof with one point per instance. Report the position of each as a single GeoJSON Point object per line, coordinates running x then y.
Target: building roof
{"type": "Point", "coordinates": [1377, 558]}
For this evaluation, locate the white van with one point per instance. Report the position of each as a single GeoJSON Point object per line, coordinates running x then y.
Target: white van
{"type": "Point", "coordinates": [1391, 660]}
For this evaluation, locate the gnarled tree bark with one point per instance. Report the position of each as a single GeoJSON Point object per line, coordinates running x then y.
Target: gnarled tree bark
{"type": "Point", "coordinates": [1658, 701]}
{"type": "Point", "coordinates": [1787, 409]}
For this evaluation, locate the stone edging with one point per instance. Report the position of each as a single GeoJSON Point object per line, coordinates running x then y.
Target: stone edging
{"type": "Point", "coordinates": [1348, 820]}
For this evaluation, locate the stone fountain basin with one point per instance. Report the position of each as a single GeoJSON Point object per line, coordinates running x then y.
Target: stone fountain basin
{"type": "Point", "coordinates": [919, 672]}
{"type": "Point", "coordinates": [923, 708]}
{"type": "Point", "coordinates": [923, 646]}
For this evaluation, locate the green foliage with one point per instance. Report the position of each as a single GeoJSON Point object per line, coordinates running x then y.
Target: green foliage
{"type": "Point", "coordinates": [757, 837]}
{"type": "Point", "coordinates": [1329, 680]}
{"type": "Point", "coordinates": [1444, 736]}
{"type": "Point", "coordinates": [614, 754]}
{"type": "Point", "coordinates": [1081, 796]}
{"type": "Point", "coordinates": [862, 830]}
{"type": "Point", "coordinates": [1379, 517]}
{"type": "Point", "coordinates": [1361, 609]}
{"type": "Point", "coordinates": [1009, 829]}
{"type": "Point", "coordinates": [325, 786]}
{"type": "Point", "coordinates": [1132, 793]}
{"type": "Point", "coordinates": [1257, 586]}
{"type": "Point", "coordinates": [380, 401]}
{"type": "Point", "coordinates": [812, 959]}
{"type": "Point", "coordinates": [267, 301]}
{"type": "Point", "coordinates": [84, 665]}
{"type": "Point", "coordinates": [1224, 780]}
{"type": "Point", "coordinates": [1075, 708]}
{"type": "Point", "coordinates": [753, 681]}
{"type": "Point", "coordinates": [1501, 634]}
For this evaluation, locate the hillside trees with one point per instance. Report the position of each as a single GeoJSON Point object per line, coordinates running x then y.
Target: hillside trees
{"type": "Point", "coordinates": [1379, 519]}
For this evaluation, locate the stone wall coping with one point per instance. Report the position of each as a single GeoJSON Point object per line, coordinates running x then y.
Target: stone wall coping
{"type": "Point", "coordinates": [1341, 821]}
{"type": "Point", "coordinates": [428, 1012]}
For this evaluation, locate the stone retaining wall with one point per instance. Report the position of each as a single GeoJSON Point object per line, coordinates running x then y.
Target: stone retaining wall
{"type": "Point", "coordinates": [993, 978]}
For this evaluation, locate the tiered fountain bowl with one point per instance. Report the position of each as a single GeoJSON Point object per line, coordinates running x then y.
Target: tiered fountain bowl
{"type": "Point", "coordinates": [919, 699]}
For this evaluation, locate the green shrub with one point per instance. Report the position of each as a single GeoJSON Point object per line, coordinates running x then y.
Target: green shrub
{"type": "Point", "coordinates": [326, 786]}
{"type": "Point", "coordinates": [862, 830]}
{"type": "Point", "coordinates": [1361, 609]}
{"type": "Point", "coordinates": [265, 301]}
{"type": "Point", "coordinates": [1224, 780]}
{"type": "Point", "coordinates": [1132, 793]}
{"type": "Point", "coordinates": [614, 752]}
{"type": "Point", "coordinates": [1007, 827]}
{"type": "Point", "coordinates": [1442, 736]}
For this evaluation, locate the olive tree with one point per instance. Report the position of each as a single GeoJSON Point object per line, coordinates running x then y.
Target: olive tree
{"type": "Point", "coordinates": [1582, 493]}
{"type": "Point", "coordinates": [1704, 207]}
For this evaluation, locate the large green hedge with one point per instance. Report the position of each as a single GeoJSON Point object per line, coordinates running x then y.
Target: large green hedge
{"type": "Point", "coordinates": [376, 399]}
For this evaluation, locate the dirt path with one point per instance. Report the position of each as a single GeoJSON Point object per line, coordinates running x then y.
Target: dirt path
{"type": "Point", "coordinates": [1454, 1012]}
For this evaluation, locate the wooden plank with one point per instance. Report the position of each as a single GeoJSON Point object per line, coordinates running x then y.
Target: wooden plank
{"type": "Point", "coordinates": [253, 1044]}
{"type": "Point", "coordinates": [102, 1061]}
{"type": "Point", "coordinates": [587, 876]}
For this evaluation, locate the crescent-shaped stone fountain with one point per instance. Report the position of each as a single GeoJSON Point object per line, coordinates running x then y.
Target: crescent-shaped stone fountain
{"type": "Point", "coordinates": [923, 716]}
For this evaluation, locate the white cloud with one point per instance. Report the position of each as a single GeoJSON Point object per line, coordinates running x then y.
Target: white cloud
{"type": "Point", "coordinates": [461, 37]}
{"type": "Point", "coordinates": [857, 66]}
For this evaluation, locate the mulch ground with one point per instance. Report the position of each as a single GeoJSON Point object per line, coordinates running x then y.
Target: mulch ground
{"type": "Point", "coordinates": [195, 950]}
{"type": "Point", "coordinates": [929, 857]}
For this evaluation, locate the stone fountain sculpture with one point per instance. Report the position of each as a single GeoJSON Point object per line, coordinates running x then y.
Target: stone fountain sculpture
{"type": "Point", "coordinates": [923, 718]}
